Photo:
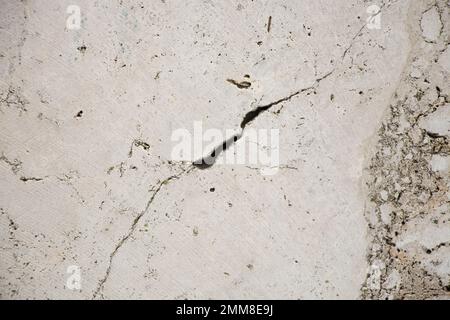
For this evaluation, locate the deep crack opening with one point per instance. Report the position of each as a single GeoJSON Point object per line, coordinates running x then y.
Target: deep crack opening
{"type": "Point", "coordinates": [209, 160]}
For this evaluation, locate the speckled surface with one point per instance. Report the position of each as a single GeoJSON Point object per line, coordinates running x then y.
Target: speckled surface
{"type": "Point", "coordinates": [94, 206]}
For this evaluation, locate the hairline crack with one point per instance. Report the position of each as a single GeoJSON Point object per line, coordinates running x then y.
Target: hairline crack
{"type": "Point", "coordinates": [134, 224]}
{"type": "Point", "coordinates": [209, 160]}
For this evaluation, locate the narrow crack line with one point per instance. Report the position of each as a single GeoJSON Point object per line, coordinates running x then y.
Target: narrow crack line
{"type": "Point", "coordinates": [436, 6]}
{"type": "Point", "coordinates": [134, 224]}
{"type": "Point", "coordinates": [360, 32]}
{"type": "Point", "coordinates": [352, 41]}
{"type": "Point", "coordinates": [287, 167]}
{"type": "Point", "coordinates": [253, 114]}
{"type": "Point", "coordinates": [27, 179]}
{"type": "Point", "coordinates": [65, 178]}
{"type": "Point", "coordinates": [16, 167]}
{"type": "Point", "coordinates": [209, 160]}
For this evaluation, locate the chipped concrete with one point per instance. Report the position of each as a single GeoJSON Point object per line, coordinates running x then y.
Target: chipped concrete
{"type": "Point", "coordinates": [409, 225]}
{"type": "Point", "coordinates": [92, 205]}
{"type": "Point", "coordinates": [431, 24]}
{"type": "Point", "coordinates": [438, 122]}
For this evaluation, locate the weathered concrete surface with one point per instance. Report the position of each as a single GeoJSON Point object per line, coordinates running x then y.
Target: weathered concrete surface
{"type": "Point", "coordinates": [408, 178]}
{"type": "Point", "coordinates": [85, 139]}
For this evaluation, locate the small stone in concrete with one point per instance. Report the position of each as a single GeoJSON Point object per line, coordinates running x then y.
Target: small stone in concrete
{"type": "Point", "coordinates": [431, 25]}
{"type": "Point", "coordinates": [437, 122]}
{"type": "Point", "coordinates": [440, 163]}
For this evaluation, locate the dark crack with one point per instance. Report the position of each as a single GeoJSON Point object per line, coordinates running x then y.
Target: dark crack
{"type": "Point", "coordinates": [269, 24]}
{"type": "Point", "coordinates": [441, 29]}
{"type": "Point", "coordinates": [240, 85]}
{"type": "Point", "coordinates": [209, 160]}
{"type": "Point", "coordinates": [347, 49]}
{"type": "Point", "coordinates": [134, 224]}
{"type": "Point", "coordinates": [26, 179]}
